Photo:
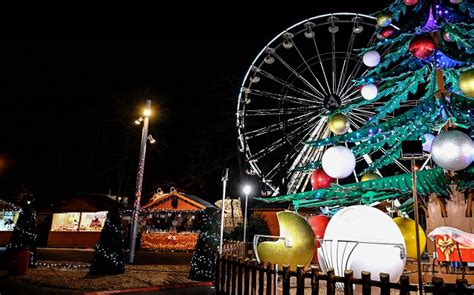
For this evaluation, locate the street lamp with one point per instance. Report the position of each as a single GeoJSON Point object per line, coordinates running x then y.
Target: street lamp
{"type": "Point", "coordinates": [247, 189]}
{"type": "Point", "coordinates": [141, 168]}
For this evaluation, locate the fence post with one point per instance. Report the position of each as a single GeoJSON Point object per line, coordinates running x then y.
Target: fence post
{"type": "Point", "coordinates": [300, 280]}
{"type": "Point", "coordinates": [254, 276]}
{"type": "Point", "coordinates": [286, 279]}
{"type": "Point", "coordinates": [261, 282]}
{"type": "Point", "coordinates": [228, 274]}
{"type": "Point", "coordinates": [222, 273]}
{"type": "Point", "coordinates": [314, 280]}
{"type": "Point", "coordinates": [405, 285]}
{"type": "Point", "coordinates": [366, 283]}
{"type": "Point", "coordinates": [348, 276]}
{"type": "Point", "coordinates": [461, 287]}
{"type": "Point", "coordinates": [438, 285]}
{"type": "Point", "coordinates": [234, 274]}
{"type": "Point", "coordinates": [269, 278]}
{"type": "Point", "coordinates": [384, 284]}
{"type": "Point", "coordinates": [247, 277]}
{"type": "Point", "coordinates": [330, 283]}
{"type": "Point", "coordinates": [239, 277]}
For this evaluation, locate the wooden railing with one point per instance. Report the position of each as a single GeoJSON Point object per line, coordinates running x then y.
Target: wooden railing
{"type": "Point", "coordinates": [234, 248]}
{"type": "Point", "coordinates": [245, 276]}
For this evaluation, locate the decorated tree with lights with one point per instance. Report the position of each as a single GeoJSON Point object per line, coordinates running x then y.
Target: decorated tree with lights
{"type": "Point", "coordinates": [108, 257]}
{"type": "Point", "coordinates": [24, 235]}
{"type": "Point", "coordinates": [426, 65]}
{"type": "Point", "coordinates": [203, 262]}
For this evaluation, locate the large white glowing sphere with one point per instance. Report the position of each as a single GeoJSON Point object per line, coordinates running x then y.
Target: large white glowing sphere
{"type": "Point", "coordinates": [379, 243]}
{"type": "Point", "coordinates": [371, 58]}
{"type": "Point", "coordinates": [338, 162]}
{"type": "Point", "coordinates": [452, 150]}
{"type": "Point", "coordinates": [428, 141]}
{"type": "Point", "coordinates": [369, 91]}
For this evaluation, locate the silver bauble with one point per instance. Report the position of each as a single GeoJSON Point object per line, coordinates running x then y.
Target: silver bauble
{"type": "Point", "coordinates": [452, 150]}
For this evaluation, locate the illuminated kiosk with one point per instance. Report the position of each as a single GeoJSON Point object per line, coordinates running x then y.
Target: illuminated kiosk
{"type": "Point", "coordinates": [8, 216]}
{"type": "Point", "coordinates": [171, 221]}
{"type": "Point", "coordinates": [78, 221]}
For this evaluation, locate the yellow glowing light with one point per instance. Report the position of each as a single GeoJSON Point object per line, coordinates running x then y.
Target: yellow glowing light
{"type": "Point", "coordinates": [147, 113]}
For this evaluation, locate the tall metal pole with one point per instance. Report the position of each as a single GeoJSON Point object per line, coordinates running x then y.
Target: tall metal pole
{"type": "Point", "coordinates": [138, 193]}
{"type": "Point", "coordinates": [225, 177]}
{"type": "Point", "coordinates": [245, 219]}
{"type": "Point", "coordinates": [417, 234]}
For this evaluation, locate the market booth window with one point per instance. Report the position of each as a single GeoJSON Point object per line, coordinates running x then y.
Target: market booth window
{"type": "Point", "coordinates": [79, 221]}
{"type": "Point", "coordinates": [8, 217]}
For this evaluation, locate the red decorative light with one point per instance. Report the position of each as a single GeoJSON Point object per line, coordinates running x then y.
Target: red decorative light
{"type": "Point", "coordinates": [319, 179]}
{"type": "Point", "coordinates": [422, 46]}
{"type": "Point", "coordinates": [410, 2]}
{"type": "Point", "coordinates": [386, 32]}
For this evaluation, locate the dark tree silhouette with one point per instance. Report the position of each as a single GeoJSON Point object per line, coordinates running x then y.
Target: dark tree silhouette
{"type": "Point", "coordinates": [256, 225]}
{"type": "Point", "coordinates": [203, 262]}
{"type": "Point", "coordinates": [108, 257]}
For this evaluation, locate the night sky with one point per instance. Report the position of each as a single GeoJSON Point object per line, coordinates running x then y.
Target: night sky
{"type": "Point", "coordinates": [68, 106]}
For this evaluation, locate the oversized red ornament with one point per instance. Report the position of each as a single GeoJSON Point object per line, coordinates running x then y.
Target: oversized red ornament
{"type": "Point", "coordinates": [410, 2]}
{"type": "Point", "coordinates": [319, 179]}
{"type": "Point", "coordinates": [386, 33]}
{"type": "Point", "coordinates": [318, 224]}
{"type": "Point", "coordinates": [422, 46]}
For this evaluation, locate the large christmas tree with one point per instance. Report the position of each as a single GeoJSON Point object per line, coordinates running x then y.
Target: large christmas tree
{"type": "Point", "coordinates": [422, 75]}
{"type": "Point", "coordinates": [24, 235]}
{"type": "Point", "coordinates": [108, 257]}
{"type": "Point", "coordinates": [203, 262]}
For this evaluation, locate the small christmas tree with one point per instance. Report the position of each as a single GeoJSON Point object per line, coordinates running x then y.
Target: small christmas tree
{"type": "Point", "coordinates": [203, 262]}
{"type": "Point", "coordinates": [24, 235]}
{"type": "Point", "coordinates": [108, 257]}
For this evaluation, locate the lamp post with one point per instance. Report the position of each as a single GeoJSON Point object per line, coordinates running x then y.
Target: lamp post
{"type": "Point", "coordinates": [225, 177]}
{"type": "Point", "coordinates": [246, 190]}
{"type": "Point", "coordinates": [138, 193]}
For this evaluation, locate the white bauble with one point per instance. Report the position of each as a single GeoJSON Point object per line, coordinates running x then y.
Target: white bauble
{"type": "Point", "coordinates": [371, 58]}
{"type": "Point", "coordinates": [369, 91]}
{"type": "Point", "coordinates": [452, 150]}
{"type": "Point", "coordinates": [428, 141]}
{"type": "Point", "coordinates": [338, 162]}
{"type": "Point", "coordinates": [378, 242]}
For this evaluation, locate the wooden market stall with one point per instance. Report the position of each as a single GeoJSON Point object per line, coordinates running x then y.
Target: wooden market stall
{"type": "Point", "coordinates": [8, 216]}
{"type": "Point", "coordinates": [171, 222]}
{"type": "Point", "coordinates": [78, 220]}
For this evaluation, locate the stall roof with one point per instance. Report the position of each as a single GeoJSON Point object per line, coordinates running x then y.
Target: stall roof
{"type": "Point", "coordinates": [82, 202]}
{"type": "Point", "coordinates": [193, 200]}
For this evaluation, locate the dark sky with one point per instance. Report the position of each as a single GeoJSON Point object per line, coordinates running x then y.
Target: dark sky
{"type": "Point", "coordinates": [68, 105]}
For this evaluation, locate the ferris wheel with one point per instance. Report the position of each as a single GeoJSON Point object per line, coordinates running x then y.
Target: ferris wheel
{"type": "Point", "coordinates": [291, 88]}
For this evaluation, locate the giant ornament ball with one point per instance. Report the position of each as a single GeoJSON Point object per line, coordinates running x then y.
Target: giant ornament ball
{"type": "Point", "coordinates": [384, 20]}
{"type": "Point", "coordinates": [297, 248]}
{"type": "Point", "coordinates": [369, 176]}
{"type": "Point", "coordinates": [447, 36]}
{"type": "Point", "coordinates": [338, 162]}
{"type": "Point", "coordinates": [369, 91]}
{"type": "Point", "coordinates": [338, 124]}
{"type": "Point", "coordinates": [466, 83]}
{"type": "Point", "coordinates": [452, 150]}
{"type": "Point", "coordinates": [377, 243]}
{"type": "Point", "coordinates": [428, 142]}
{"type": "Point", "coordinates": [319, 179]}
{"type": "Point", "coordinates": [410, 2]}
{"type": "Point", "coordinates": [407, 227]}
{"type": "Point", "coordinates": [422, 46]}
{"type": "Point", "coordinates": [385, 33]}
{"type": "Point", "coordinates": [318, 224]}
{"type": "Point", "coordinates": [371, 58]}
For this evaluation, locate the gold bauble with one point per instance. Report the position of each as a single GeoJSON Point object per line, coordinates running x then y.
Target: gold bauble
{"type": "Point", "coordinates": [384, 20]}
{"type": "Point", "coordinates": [407, 227]}
{"type": "Point", "coordinates": [299, 248]}
{"type": "Point", "coordinates": [466, 83]}
{"type": "Point", "coordinates": [369, 176]}
{"type": "Point", "coordinates": [338, 123]}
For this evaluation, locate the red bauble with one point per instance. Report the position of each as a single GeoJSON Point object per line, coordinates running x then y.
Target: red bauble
{"type": "Point", "coordinates": [386, 32]}
{"type": "Point", "coordinates": [422, 46]}
{"type": "Point", "coordinates": [410, 2]}
{"type": "Point", "coordinates": [319, 179]}
{"type": "Point", "coordinates": [318, 224]}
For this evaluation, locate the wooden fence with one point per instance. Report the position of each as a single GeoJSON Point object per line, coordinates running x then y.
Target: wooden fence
{"type": "Point", "coordinates": [234, 248]}
{"type": "Point", "coordinates": [245, 277]}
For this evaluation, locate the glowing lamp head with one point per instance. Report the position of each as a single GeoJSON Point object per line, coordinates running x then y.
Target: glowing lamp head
{"type": "Point", "coordinates": [247, 189]}
{"type": "Point", "coordinates": [147, 112]}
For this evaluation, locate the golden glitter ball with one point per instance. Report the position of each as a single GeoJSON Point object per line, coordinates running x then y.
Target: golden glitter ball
{"type": "Point", "coordinates": [407, 227]}
{"type": "Point", "coordinates": [369, 176]}
{"type": "Point", "coordinates": [298, 247]}
{"type": "Point", "coordinates": [384, 20]}
{"type": "Point", "coordinates": [338, 123]}
{"type": "Point", "coordinates": [466, 83]}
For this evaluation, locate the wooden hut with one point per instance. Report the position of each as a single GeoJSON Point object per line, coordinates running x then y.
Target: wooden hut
{"type": "Point", "coordinates": [171, 221]}
{"type": "Point", "coordinates": [9, 214]}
